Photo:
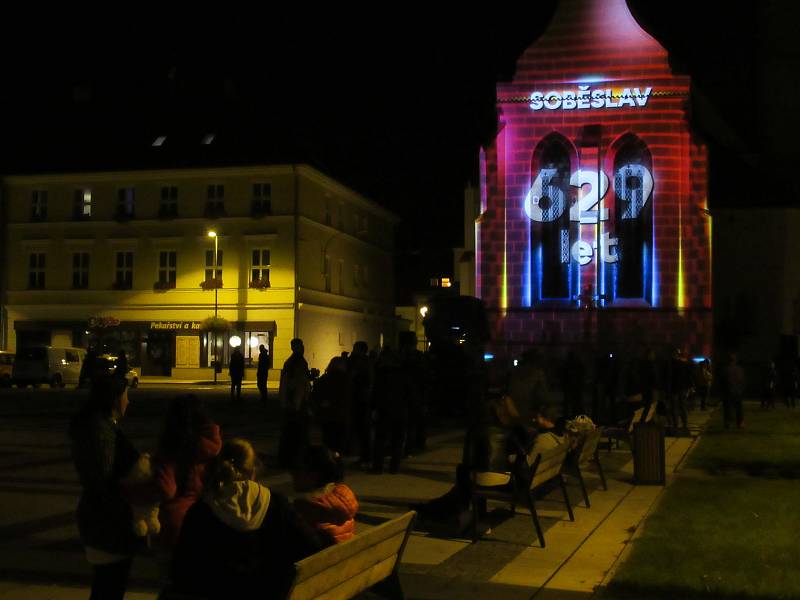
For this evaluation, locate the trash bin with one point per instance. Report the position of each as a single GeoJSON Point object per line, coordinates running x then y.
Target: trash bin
{"type": "Point", "coordinates": [649, 455]}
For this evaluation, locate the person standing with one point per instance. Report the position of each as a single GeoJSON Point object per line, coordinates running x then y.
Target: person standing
{"type": "Point", "coordinates": [294, 395]}
{"type": "Point", "coordinates": [680, 386]}
{"type": "Point", "coordinates": [102, 456]}
{"type": "Point", "coordinates": [121, 369]}
{"type": "Point", "coordinates": [733, 395]}
{"type": "Point", "coordinates": [360, 371]}
{"type": "Point", "coordinates": [262, 373]}
{"type": "Point", "coordinates": [236, 371]}
{"type": "Point", "coordinates": [390, 397]}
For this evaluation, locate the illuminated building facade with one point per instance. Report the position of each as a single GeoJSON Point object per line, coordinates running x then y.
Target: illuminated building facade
{"type": "Point", "coordinates": [123, 260]}
{"type": "Point", "coordinates": [593, 223]}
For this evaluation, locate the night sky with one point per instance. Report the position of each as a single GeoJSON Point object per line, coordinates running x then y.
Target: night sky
{"type": "Point", "coordinates": [394, 104]}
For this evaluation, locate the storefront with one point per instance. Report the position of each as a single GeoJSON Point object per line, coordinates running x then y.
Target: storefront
{"type": "Point", "coordinates": [156, 347]}
{"type": "Point", "coordinates": [594, 226]}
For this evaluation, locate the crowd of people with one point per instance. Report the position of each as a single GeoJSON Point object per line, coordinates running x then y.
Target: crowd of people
{"type": "Point", "coordinates": [216, 531]}
{"type": "Point", "coordinates": [219, 533]}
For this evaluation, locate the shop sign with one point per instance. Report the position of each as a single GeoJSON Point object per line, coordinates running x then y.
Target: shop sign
{"type": "Point", "coordinates": [585, 98]}
{"type": "Point", "coordinates": [103, 322]}
{"type": "Point", "coordinates": [175, 325]}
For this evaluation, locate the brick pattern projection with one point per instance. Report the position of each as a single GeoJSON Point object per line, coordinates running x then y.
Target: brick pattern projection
{"type": "Point", "coordinates": [618, 110]}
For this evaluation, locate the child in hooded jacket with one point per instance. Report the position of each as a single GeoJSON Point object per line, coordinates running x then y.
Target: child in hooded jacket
{"type": "Point", "coordinates": [326, 504]}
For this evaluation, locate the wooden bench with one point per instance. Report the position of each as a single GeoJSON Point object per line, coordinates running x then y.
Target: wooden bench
{"type": "Point", "coordinates": [547, 467]}
{"type": "Point", "coordinates": [626, 433]}
{"type": "Point", "coordinates": [344, 570]}
{"type": "Point", "coordinates": [587, 451]}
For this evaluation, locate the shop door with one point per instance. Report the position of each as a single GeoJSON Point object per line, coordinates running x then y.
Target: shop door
{"type": "Point", "coordinates": [156, 352]}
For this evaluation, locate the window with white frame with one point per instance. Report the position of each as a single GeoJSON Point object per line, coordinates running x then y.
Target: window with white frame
{"type": "Point", "coordinates": [39, 205]}
{"type": "Point", "coordinates": [259, 267]}
{"type": "Point", "coordinates": [262, 198]}
{"type": "Point", "coordinates": [80, 270]}
{"type": "Point", "coordinates": [213, 269]}
{"type": "Point", "coordinates": [126, 200]}
{"type": "Point", "coordinates": [36, 266]}
{"type": "Point", "coordinates": [167, 268]}
{"type": "Point", "coordinates": [215, 200]}
{"type": "Point", "coordinates": [168, 205]}
{"type": "Point", "coordinates": [82, 207]}
{"type": "Point", "coordinates": [123, 274]}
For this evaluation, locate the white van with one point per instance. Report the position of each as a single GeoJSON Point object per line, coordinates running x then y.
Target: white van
{"type": "Point", "coordinates": [46, 364]}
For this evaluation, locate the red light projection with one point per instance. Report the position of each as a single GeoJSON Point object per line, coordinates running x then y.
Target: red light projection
{"type": "Point", "coordinates": [595, 188]}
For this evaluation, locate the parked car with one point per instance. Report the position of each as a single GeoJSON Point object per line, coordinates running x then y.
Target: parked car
{"type": "Point", "coordinates": [47, 364]}
{"type": "Point", "coordinates": [6, 368]}
{"type": "Point", "coordinates": [108, 363]}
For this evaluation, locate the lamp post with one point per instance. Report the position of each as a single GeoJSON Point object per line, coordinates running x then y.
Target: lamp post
{"type": "Point", "coordinates": [213, 234]}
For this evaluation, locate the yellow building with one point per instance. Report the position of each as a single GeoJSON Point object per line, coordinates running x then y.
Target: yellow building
{"type": "Point", "coordinates": [124, 260]}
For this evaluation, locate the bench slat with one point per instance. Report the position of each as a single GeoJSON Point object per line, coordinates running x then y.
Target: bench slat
{"type": "Point", "coordinates": [550, 465]}
{"type": "Point", "coordinates": [349, 587]}
{"type": "Point", "coordinates": [363, 562]}
{"type": "Point", "coordinates": [340, 552]}
{"type": "Point", "coordinates": [589, 446]}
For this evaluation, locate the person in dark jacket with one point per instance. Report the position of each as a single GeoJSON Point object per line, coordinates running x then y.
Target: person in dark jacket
{"type": "Point", "coordinates": [331, 401]}
{"type": "Point", "coordinates": [262, 373]}
{"type": "Point", "coordinates": [121, 369]}
{"type": "Point", "coordinates": [360, 372]}
{"type": "Point", "coordinates": [189, 441]}
{"type": "Point", "coordinates": [242, 539]}
{"type": "Point", "coordinates": [236, 371]}
{"type": "Point", "coordinates": [390, 399]}
{"type": "Point", "coordinates": [102, 456]}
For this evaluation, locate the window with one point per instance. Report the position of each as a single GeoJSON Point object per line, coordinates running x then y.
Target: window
{"type": "Point", "coordinates": [168, 207]}
{"type": "Point", "coordinates": [167, 268]}
{"type": "Point", "coordinates": [262, 198]}
{"type": "Point", "coordinates": [259, 267]}
{"type": "Point", "coordinates": [126, 198]}
{"type": "Point", "coordinates": [80, 270]}
{"type": "Point", "coordinates": [82, 208]}
{"type": "Point", "coordinates": [36, 271]}
{"type": "Point", "coordinates": [72, 356]}
{"type": "Point", "coordinates": [211, 265]}
{"type": "Point", "coordinates": [341, 216]}
{"type": "Point", "coordinates": [356, 275]}
{"type": "Point", "coordinates": [327, 270]}
{"type": "Point", "coordinates": [341, 277]}
{"type": "Point", "coordinates": [327, 212]}
{"type": "Point", "coordinates": [251, 342]}
{"type": "Point", "coordinates": [39, 205]}
{"type": "Point", "coordinates": [123, 276]}
{"type": "Point", "coordinates": [215, 201]}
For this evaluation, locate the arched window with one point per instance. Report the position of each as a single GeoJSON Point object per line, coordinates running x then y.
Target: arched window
{"type": "Point", "coordinates": [550, 224]}
{"type": "Point", "coordinates": [633, 209]}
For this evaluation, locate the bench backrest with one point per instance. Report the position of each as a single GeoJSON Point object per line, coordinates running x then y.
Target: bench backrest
{"type": "Point", "coordinates": [637, 416]}
{"type": "Point", "coordinates": [347, 569]}
{"type": "Point", "coordinates": [589, 445]}
{"type": "Point", "coordinates": [548, 465]}
{"type": "Point", "coordinates": [651, 412]}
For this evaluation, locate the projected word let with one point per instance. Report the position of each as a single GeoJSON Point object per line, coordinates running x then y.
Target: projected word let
{"type": "Point", "coordinates": [585, 98]}
{"type": "Point", "coordinates": [547, 200]}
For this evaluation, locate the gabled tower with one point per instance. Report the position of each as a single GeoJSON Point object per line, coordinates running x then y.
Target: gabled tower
{"type": "Point", "coordinates": [594, 228]}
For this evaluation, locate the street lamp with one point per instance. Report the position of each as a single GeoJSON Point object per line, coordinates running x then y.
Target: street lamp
{"type": "Point", "coordinates": [213, 234]}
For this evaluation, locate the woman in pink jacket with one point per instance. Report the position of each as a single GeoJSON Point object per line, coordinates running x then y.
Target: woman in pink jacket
{"type": "Point", "coordinates": [189, 441]}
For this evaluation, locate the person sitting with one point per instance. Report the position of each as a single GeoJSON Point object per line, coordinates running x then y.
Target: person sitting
{"type": "Point", "coordinates": [189, 441]}
{"type": "Point", "coordinates": [242, 539]}
{"type": "Point", "coordinates": [549, 433]}
{"type": "Point", "coordinates": [327, 504]}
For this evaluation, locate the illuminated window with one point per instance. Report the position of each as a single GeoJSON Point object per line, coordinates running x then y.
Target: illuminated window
{"type": "Point", "coordinates": [207, 139]}
{"type": "Point", "coordinates": [36, 267]}
{"type": "Point", "coordinates": [80, 270]}
{"type": "Point", "coordinates": [215, 201]}
{"type": "Point", "coordinates": [123, 275]}
{"type": "Point", "coordinates": [262, 199]}
{"type": "Point", "coordinates": [168, 206]}
{"type": "Point", "coordinates": [39, 205]}
{"type": "Point", "coordinates": [211, 265]}
{"type": "Point", "coordinates": [259, 267]}
{"type": "Point", "coordinates": [159, 141]}
{"type": "Point", "coordinates": [168, 268]}
{"type": "Point", "coordinates": [633, 188]}
{"type": "Point", "coordinates": [552, 232]}
{"type": "Point", "coordinates": [82, 207]}
{"type": "Point", "coordinates": [126, 199]}
{"type": "Point", "coordinates": [446, 282]}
